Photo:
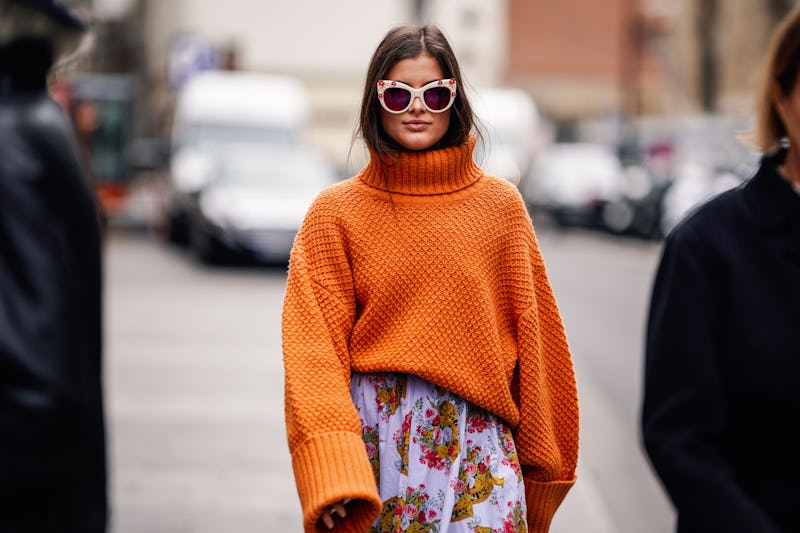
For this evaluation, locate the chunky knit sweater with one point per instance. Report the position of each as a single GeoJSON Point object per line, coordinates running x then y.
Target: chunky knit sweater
{"type": "Point", "coordinates": [442, 278]}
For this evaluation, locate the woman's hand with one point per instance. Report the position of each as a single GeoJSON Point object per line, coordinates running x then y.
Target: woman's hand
{"type": "Point", "coordinates": [335, 509]}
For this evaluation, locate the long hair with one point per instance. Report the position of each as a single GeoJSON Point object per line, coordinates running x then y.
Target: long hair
{"type": "Point", "coordinates": [404, 42]}
{"type": "Point", "coordinates": [779, 77]}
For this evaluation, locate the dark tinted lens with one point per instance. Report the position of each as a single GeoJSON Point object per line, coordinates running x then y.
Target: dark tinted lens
{"type": "Point", "coordinates": [396, 99]}
{"type": "Point", "coordinates": [437, 98]}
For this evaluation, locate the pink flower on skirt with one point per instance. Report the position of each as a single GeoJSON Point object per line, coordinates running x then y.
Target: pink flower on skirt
{"type": "Point", "coordinates": [458, 485]}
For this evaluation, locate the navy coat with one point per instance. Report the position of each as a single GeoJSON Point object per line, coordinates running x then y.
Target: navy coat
{"type": "Point", "coordinates": [721, 414]}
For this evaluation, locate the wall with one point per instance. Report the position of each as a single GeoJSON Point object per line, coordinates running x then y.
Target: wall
{"type": "Point", "coordinates": [570, 54]}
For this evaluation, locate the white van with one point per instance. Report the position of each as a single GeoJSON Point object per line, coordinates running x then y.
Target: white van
{"type": "Point", "coordinates": [218, 110]}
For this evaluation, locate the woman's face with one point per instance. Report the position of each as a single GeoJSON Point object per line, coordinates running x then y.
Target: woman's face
{"type": "Point", "coordinates": [416, 128]}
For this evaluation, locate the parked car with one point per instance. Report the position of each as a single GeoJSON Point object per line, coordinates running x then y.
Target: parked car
{"type": "Point", "coordinates": [218, 109]}
{"type": "Point", "coordinates": [254, 202]}
{"type": "Point", "coordinates": [572, 182]}
{"type": "Point", "coordinates": [695, 184]}
{"type": "Point", "coordinates": [514, 132]}
{"type": "Point", "coordinates": [707, 166]}
{"type": "Point", "coordinates": [691, 159]}
{"type": "Point", "coordinates": [638, 211]}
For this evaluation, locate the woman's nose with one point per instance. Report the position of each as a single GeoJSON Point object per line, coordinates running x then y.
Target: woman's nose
{"type": "Point", "coordinates": [416, 104]}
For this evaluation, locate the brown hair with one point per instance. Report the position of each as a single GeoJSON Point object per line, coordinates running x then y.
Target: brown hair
{"type": "Point", "coordinates": [778, 79]}
{"type": "Point", "coordinates": [404, 42]}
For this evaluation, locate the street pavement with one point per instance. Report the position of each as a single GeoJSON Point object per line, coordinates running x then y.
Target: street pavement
{"type": "Point", "coordinates": [194, 389]}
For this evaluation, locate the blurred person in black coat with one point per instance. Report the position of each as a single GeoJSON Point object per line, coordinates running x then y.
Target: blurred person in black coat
{"type": "Point", "coordinates": [721, 414]}
{"type": "Point", "coordinates": [52, 438]}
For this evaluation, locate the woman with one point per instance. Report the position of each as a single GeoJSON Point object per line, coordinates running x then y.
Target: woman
{"type": "Point", "coordinates": [52, 436]}
{"type": "Point", "coordinates": [722, 405]}
{"type": "Point", "coordinates": [427, 369]}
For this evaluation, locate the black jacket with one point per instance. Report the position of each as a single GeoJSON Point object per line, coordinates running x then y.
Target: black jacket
{"type": "Point", "coordinates": [52, 443]}
{"type": "Point", "coordinates": [721, 415]}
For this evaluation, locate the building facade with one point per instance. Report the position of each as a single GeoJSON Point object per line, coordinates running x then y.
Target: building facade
{"type": "Point", "coordinates": [579, 59]}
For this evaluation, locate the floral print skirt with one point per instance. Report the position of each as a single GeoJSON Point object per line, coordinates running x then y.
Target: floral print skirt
{"type": "Point", "coordinates": [441, 464]}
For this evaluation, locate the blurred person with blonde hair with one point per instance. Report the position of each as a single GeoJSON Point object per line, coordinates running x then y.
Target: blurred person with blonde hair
{"type": "Point", "coordinates": [721, 413]}
{"type": "Point", "coordinates": [52, 436]}
{"type": "Point", "coordinates": [429, 384]}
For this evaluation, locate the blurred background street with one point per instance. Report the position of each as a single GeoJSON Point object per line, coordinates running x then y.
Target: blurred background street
{"type": "Point", "coordinates": [208, 127]}
{"type": "Point", "coordinates": [195, 389]}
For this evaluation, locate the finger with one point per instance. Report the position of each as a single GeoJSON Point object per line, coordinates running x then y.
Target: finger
{"type": "Point", "coordinates": [327, 519]}
{"type": "Point", "coordinates": [339, 509]}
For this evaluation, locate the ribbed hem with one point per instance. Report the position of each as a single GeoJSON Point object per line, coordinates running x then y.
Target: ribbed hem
{"type": "Point", "coordinates": [427, 172]}
{"type": "Point", "coordinates": [542, 500]}
{"type": "Point", "coordinates": [333, 467]}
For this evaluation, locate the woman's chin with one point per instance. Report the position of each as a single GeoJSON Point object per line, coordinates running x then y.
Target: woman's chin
{"type": "Point", "coordinates": [416, 141]}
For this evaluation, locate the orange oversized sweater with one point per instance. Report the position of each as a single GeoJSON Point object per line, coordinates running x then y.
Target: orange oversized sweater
{"type": "Point", "coordinates": [443, 279]}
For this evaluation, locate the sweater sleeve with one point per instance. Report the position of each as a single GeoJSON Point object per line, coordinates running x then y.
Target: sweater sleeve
{"type": "Point", "coordinates": [547, 436]}
{"type": "Point", "coordinates": [324, 431]}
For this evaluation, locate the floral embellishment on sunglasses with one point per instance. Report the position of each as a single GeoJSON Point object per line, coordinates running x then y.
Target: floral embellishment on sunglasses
{"type": "Point", "coordinates": [436, 96]}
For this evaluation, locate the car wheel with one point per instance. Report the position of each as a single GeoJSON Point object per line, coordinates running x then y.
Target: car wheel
{"type": "Point", "coordinates": [618, 216]}
{"type": "Point", "coordinates": [177, 228]}
{"type": "Point", "coordinates": [560, 218]}
{"type": "Point", "coordinates": [204, 246]}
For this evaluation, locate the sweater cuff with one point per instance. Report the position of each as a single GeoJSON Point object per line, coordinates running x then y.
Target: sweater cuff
{"type": "Point", "coordinates": [542, 499]}
{"type": "Point", "coordinates": [333, 467]}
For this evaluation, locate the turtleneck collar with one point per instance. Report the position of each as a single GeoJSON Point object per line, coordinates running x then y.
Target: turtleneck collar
{"type": "Point", "coordinates": [424, 173]}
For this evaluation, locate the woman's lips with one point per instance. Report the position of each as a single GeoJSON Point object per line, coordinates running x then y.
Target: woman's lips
{"type": "Point", "coordinates": [416, 125]}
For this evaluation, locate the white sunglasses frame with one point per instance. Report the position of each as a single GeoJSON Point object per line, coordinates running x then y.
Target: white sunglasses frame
{"type": "Point", "coordinates": [450, 83]}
